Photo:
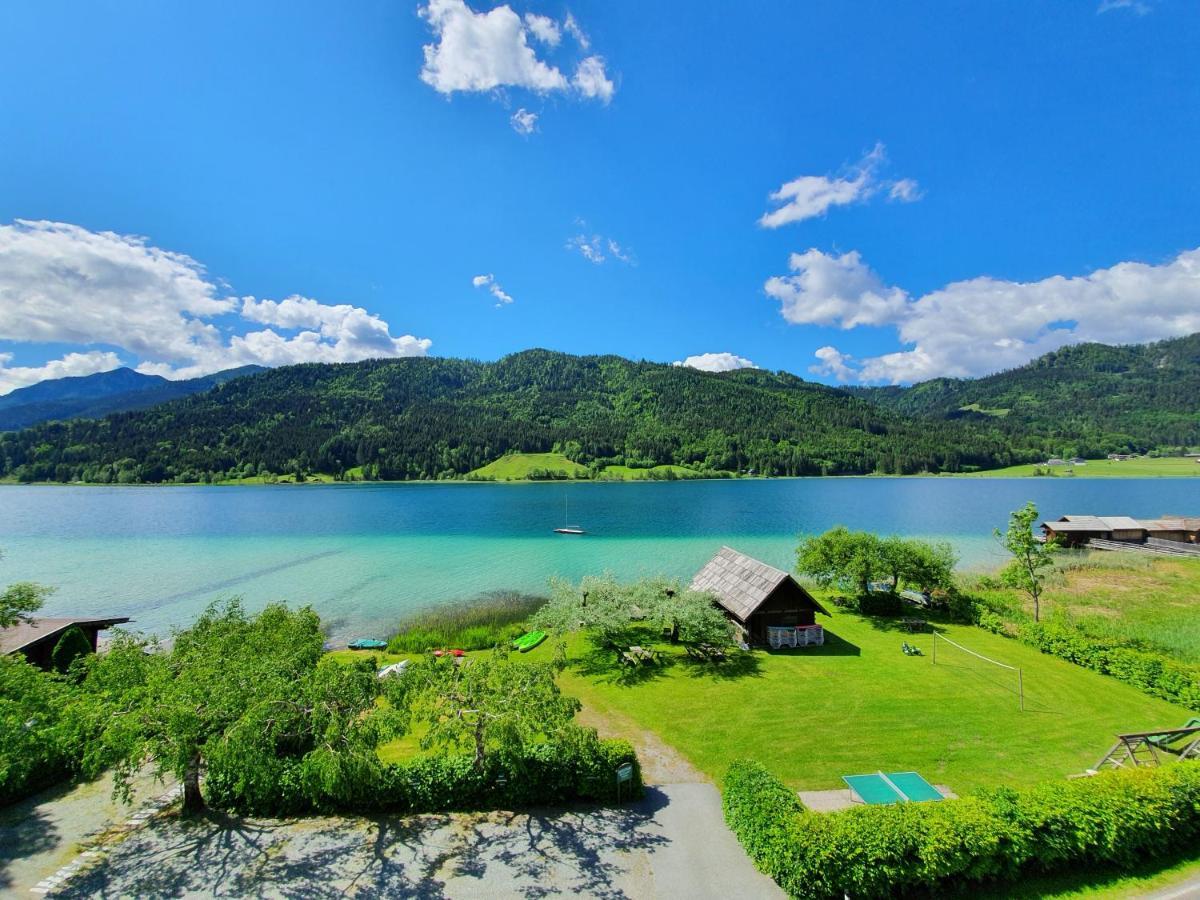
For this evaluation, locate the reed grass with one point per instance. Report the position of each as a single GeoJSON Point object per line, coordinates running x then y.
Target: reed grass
{"type": "Point", "coordinates": [494, 618]}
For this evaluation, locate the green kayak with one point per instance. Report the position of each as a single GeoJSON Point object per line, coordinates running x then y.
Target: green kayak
{"type": "Point", "coordinates": [528, 641]}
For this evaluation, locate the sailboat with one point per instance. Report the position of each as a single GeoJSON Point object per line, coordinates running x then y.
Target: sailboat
{"type": "Point", "coordinates": [568, 529]}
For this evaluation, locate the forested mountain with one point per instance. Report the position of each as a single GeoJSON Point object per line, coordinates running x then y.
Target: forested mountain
{"type": "Point", "coordinates": [93, 396]}
{"type": "Point", "coordinates": [430, 418]}
{"type": "Point", "coordinates": [1085, 400]}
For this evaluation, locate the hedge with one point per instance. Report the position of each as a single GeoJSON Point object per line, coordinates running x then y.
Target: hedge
{"type": "Point", "coordinates": [1119, 817]}
{"type": "Point", "coordinates": [545, 774]}
{"type": "Point", "coordinates": [1154, 673]}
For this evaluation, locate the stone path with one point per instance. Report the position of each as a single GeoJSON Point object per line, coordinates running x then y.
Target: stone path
{"type": "Point", "coordinates": [665, 846]}
{"type": "Point", "coordinates": [44, 839]}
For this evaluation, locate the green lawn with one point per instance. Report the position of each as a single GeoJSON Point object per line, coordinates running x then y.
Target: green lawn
{"type": "Point", "coordinates": [625, 473]}
{"type": "Point", "coordinates": [1165, 467]}
{"type": "Point", "coordinates": [518, 466]}
{"type": "Point", "coordinates": [859, 704]}
{"type": "Point", "coordinates": [1095, 883]}
{"type": "Point", "coordinates": [1122, 595]}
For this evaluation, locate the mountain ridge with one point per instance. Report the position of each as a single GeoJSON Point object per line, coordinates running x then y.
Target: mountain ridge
{"type": "Point", "coordinates": [100, 394]}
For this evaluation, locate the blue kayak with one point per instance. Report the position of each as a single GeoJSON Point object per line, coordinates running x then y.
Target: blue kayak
{"type": "Point", "coordinates": [367, 644]}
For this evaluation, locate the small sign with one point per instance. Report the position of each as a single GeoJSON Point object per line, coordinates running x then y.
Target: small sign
{"type": "Point", "coordinates": [625, 773]}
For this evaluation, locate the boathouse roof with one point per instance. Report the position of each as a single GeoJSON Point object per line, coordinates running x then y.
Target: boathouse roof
{"type": "Point", "coordinates": [741, 583]}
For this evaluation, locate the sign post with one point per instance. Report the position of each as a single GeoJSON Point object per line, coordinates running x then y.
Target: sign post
{"type": "Point", "coordinates": [624, 774]}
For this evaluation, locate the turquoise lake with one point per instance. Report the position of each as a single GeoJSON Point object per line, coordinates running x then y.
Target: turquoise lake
{"type": "Point", "coordinates": [363, 555]}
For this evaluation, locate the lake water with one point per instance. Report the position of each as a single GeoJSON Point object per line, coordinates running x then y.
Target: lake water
{"type": "Point", "coordinates": [364, 554]}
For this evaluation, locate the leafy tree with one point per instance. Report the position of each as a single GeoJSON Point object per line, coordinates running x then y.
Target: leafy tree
{"type": "Point", "coordinates": [848, 559]}
{"type": "Point", "coordinates": [20, 601]}
{"type": "Point", "coordinates": [32, 750]}
{"type": "Point", "coordinates": [690, 616]}
{"type": "Point", "coordinates": [612, 611]}
{"type": "Point", "coordinates": [485, 703]}
{"type": "Point", "coordinates": [71, 646]}
{"type": "Point", "coordinates": [924, 565]}
{"type": "Point", "coordinates": [1031, 556]}
{"type": "Point", "coordinates": [854, 559]}
{"type": "Point", "coordinates": [171, 706]}
{"type": "Point", "coordinates": [598, 604]}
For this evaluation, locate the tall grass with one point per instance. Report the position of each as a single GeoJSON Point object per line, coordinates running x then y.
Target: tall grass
{"type": "Point", "coordinates": [496, 617]}
{"type": "Point", "coordinates": [1139, 600]}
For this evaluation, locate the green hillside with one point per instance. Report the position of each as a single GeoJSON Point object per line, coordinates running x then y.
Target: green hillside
{"type": "Point", "coordinates": [444, 418]}
{"type": "Point", "coordinates": [530, 466]}
{"type": "Point", "coordinates": [1087, 400]}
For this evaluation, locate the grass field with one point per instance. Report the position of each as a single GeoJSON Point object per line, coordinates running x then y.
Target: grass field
{"type": "Point", "coordinates": [625, 473]}
{"type": "Point", "coordinates": [1165, 467]}
{"type": "Point", "coordinates": [859, 704]}
{"type": "Point", "coordinates": [519, 466]}
{"type": "Point", "coordinates": [1155, 600]}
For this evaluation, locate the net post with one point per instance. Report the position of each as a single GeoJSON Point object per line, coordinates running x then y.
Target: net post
{"type": "Point", "coordinates": [1021, 687]}
{"type": "Point", "coordinates": [935, 637]}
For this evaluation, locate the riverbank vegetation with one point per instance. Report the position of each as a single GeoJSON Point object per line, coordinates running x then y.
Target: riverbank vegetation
{"type": "Point", "coordinates": [1137, 467]}
{"type": "Point", "coordinates": [492, 620]}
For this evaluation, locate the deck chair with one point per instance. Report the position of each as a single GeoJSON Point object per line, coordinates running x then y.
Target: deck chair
{"type": "Point", "coordinates": [1166, 739]}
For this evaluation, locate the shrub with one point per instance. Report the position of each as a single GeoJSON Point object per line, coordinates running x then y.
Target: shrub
{"type": "Point", "coordinates": [581, 768]}
{"type": "Point", "coordinates": [70, 647]}
{"type": "Point", "coordinates": [1151, 672]}
{"type": "Point", "coordinates": [1119, 817]}
{"type": "Point", "coordinates": [34, 751]}
{"type": "Point", "coordinates": [879, 603]}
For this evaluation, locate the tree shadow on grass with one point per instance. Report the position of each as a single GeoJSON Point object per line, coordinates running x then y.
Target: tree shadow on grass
{"type": "Point", "coordinates": [834, 646]}
{"type": "Point", "coordinates": [535, 854]}
{"type": "Point", "coordinates": [601, 662]}
{"type": "Point", "coordinates": [26, 830]}
{"type": "Point", "coordinates": [737, 664]}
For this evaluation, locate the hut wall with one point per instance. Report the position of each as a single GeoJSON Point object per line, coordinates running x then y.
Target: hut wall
{"type": "Point", "coordinates": [787, 605]}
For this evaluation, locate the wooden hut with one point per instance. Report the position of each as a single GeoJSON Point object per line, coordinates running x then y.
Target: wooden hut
{"type": "Point", "coordinates": [1077, 530]}
{"type": "Point", "coordinates": [36, 640]}
{"type": "Point", "coordinates": [755, 595]}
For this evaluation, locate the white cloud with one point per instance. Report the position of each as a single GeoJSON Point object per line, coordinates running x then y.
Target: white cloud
{"type": "Point", "coordinates": [544, 28]}
{"type": "Point", "coordinates": [523, 122]}
{"type": "Point", "coordinates": [482, 51]}
{"type": "Point", "coordinates": [810, 196]}
{"type": "Point", "coordinates": [592, 81]}
{"type": "Point", "coordinates": [716, 362]}
{"type": "Point", "coordinates": [834, 290]}
{"type": "Point", "coordinates": [486, 51]}
{"type": "Point", "coordinates": [62, 283]}
{"type": "Point", "coordinates": [489, 281]}
{"type": "Point", "coordinates": [571, 27]}
{"type": "Point", "coordinates": [597, 248]}
{"type": "Point", "coordinates": [1136, 6]}
{"type": "Point", "coordinates": [906, 190]}
{"type": "Point", "coordinates": [833, 363]}
{"type": "Point", "coordinates": [72, 364]}
{"type": "Point", "coordinates": [983, 325]}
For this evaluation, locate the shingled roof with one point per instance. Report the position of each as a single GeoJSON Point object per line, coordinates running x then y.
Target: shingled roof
{"type": "Point", "coordinates": [740, 582]}
{"type": "Point", "coordinates": [26, 634]}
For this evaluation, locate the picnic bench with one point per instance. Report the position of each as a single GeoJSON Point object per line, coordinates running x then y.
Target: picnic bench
{"type": "Point", "coordinates": [639, 656]}
{"type": "Point", "coordinates": [705, 652]}
{"type": "Point", "coordinates": [914, 625]}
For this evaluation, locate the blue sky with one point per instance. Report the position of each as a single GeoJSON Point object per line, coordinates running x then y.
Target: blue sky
{"type": "Point", "coordinates": [972, 183]}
